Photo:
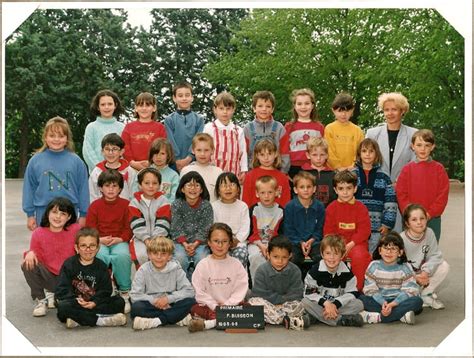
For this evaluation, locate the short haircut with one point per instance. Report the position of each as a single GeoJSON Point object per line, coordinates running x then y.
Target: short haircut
{"type": "Point", "coordinates": [145, 98]}
{"type": "Point", "coordinates": [280, 242]}
{"type": "Point", "coordinates": [94, 107]}
{"type": "Point", "coordinates": [154, 171]}
{"type": "Point", "coordinates": [182, 84]}
{"type": "Point", "coordinates": [87, 231]}
{"type": "Point", "coordinates": [344, 176]}
{"type": "Point", "coordinates": [270, 146]}
{"type": "Point", "coordinates": [160, 244]}
{"type": "Point", "coordinates": [110, 176]}
{"type": "Point", "coordinates": [225, 99]}
{"type": "Point", "coordinates": [400, 101]}
{"type": "Point", "coordinates": [317, 142]}
{"type": "Point", "coordinates": [156, 147]}
{"type": "Point", "coordinates": [265, 95]}
{"type": "Point", "coordinates": [57, 125]}
{"type": "Point", "coordinates": [304, 175]}
{"type": "Point", "coordinates": [265, 180]}
{"type": "Point", "coordinates": [304, 92]}
{"type": "Point", "coordinates": [371, 144]}
{"type": "Point", "coordinates": [202, 137]}
{"type": "Point", "coordinates": [409, 209]}
{"type": "Point", "coordinates": [343, 101]}
{"type": "Point", "coordinates": [64, 205]}
{"type": "Point", "coordinates": [335, 242]}
{"type": "Point", "coordinates": [223, 178]}
{"type": "Point", "coordinates": [112, 139]}
{"type": "Point", "coordinates": [395, 239]}
{"type": "Point", "coordinates": [187, 178]}
{"type": "Point", "coordinates": [425, 134]}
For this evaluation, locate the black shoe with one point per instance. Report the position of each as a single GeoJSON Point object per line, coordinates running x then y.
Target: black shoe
{"type": "Point", "coordinates": [306, 320]}
{"type": "Point", "coordinates": [286, 322]}
{"type": "Point", "coordinates": [351, 320]}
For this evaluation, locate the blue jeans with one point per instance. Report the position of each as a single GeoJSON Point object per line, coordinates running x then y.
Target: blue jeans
{"type": "Point", "coordinates": [413, 303]}
{"type": "Point", "coordinates": [119, 256]}
{"type": "Point", "coordinates": [182, 257]}
{"type": "Point", "coordinates": [176, 313]}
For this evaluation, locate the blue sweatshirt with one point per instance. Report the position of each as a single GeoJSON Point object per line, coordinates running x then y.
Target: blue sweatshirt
{"type": "Point", "coordinates": [181, 127]}
{"type": "Point", "coordinates": [51, 174]}
{"type": "Point", "coordinates": [302, 224]}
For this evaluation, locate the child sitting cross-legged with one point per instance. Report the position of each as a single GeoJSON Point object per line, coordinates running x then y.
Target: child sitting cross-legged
{"type": "Point", "coordinates": [161, 294]}
{"type": "Point", "coordinates": [330, 287]}
{"type": "Point", "coordinates": [278, 287]}
{"type": "Point", "coordinates": [84, 288]}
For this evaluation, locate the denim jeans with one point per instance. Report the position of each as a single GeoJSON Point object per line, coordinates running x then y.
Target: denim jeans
{"type": "Point", "coordinates": [175, 313]}
{"type": "Point", "coordinates": [413, 303]}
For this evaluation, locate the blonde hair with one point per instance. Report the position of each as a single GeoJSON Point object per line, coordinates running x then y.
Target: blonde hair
{"type": "Point", "coordinates": [160, 244]}
{"type": "Point", "coordinates": [59, 125]}
{"type": "Point", "coordinates": [203, 137]}
{"type": "Point", "coordinates": [335, 242]}
{"type": "Point", "coordinates": [314, 142]}
{"type": "Point", "coordinates": [400, 101]}
{"type": "Point", "coordinates": [303, 175]}
{"type": "Point", "coordinates": [304, 92]}
{"type": "Point", "coordinates": [270, 146]}
{"type": "Point", "coordinates": [265, 180]}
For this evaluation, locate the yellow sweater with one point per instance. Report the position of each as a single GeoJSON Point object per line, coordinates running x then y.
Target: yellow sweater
{"type": "Point", "coordinates": [343, 140]}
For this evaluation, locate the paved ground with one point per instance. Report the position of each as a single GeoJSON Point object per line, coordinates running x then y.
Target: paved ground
{"type": "Point", "coordinates": [431, 329]}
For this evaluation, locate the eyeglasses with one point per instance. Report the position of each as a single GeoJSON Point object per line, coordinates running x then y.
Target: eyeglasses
{"type": "Point", "coordinates": [112, 150]}
{"type": "Point", "coordinates": [191, 185]}
{"type": "Point", "coordinates": [218, 242]}
{"type": "Point", "coordinates": [391, 248]}
{"type": "Point", "coordinates": [88, 247]}
{"type": "Point", "coordinates": [228, 185]}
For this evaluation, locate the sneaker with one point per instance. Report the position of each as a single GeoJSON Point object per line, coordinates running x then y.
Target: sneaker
{"type": "Point", "coordinates": [142, 323]}
{"type": "Point", "coordinates": [370, 317]}
{"type": "Point", "coordinates": [296, 323]}
{"type": "Point", "coordinates": [126, 297]}
{"type": "Point", "coordinates": [433, 302]}
{"type": "Point", "coordinates": [70, 323]}
{"type": "Point", "coordinates": [50, 299]}
{"type": "Point", "coordinates": [185, 321]}
{"type": "Point", "coordinates": [118, 319]}
{"type": "Point", "coordinates": [408, 318]}
{"type": "Point", "coordinates": [351, 320]}
{"type": "Point", "coordinates": [195, 325]}
{"type": "Point", "coordinates": [41, 308]}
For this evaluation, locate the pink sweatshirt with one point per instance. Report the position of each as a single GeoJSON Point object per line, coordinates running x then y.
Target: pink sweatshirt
{"type": "Point", "coordinates": [220, 282]}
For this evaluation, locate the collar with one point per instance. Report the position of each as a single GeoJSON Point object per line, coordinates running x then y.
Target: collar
{"type": "Point", "coordinates": [138, 195]}
{"type": "Point", "coordinates": [219, 124]}
{"type": "Point", "coordinates": [350, 202]}
{"type": "Point", "coordinates": [183, 112]}
{"type": "Point", "coordinates": [430, 159]}
{"type": "Point", "coordinates": [307, 166]}
{"type": "Point", "coordinates": [106, 121]}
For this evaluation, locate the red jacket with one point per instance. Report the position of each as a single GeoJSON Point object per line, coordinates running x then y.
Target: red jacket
{"type": "Point", "coordinates": [110, 218]}
{"type": "Point", "coordinates": [249, 195]}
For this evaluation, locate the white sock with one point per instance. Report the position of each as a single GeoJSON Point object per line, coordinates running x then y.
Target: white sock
{"type": "Point", "coordinates": [155, 322]}
{"type": "Point", "coordinates": [209, 323]}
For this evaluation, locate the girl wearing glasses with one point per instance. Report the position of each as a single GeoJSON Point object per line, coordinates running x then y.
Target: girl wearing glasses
{"type": "Point", "coordinates": [191, 217]}
{"type": "Point", "coordinates": [51, 243]}
{"type": "Point", "coordinates": [390, 289]}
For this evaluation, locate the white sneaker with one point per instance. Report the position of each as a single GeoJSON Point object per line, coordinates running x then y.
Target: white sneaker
{"type": "Point", "coordinates": [408, 318]}
{"type": "Point", "coordinates": [370, 317]}
{"type": "Point", "coordinates": [185, 321]}
{"type": "Point", "coordinates": [70, 323]}
{"type": "Point", "coordinates": [50, 298]}
{"type": "Point", "coordinates": [118, 319]}
{"type": "Point", "coordinates": [41, 308]}
{"type": "Point", "coordinates": [142, 323]}
{"type": "Point", "coordinates": [126, 297]}
{"type": "Point", "coordinates": [433, 302]}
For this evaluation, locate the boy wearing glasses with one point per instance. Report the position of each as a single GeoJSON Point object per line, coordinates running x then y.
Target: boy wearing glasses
{"type": "Point", "coordinates": [112, 150]}
{"type": "Point", "coordinates": [84, 288]}
{"type": "Point", "coordinates": [109, 215]}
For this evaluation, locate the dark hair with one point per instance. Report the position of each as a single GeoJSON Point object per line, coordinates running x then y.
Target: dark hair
{"type": "Point", "coordinates": [344, 176]}
{"type": "Point", "coordinates": [409, 209]}
{"type": "Point", "coordinates": [87, 231]}
{"type": "Point", "coordinates": [370, 143]}
{"type": "Point", "coordinates": [224, 98]}
{"type": "Point", "coordinates": [222, 178]}
{"type": "Point", "coordinates": [64, 205]}
{"type": "Point", "coordinates": [265, 95]}
{"type": "Point", "coordinates": [110, 176]}
{"type": "Point", "coordinates": [145, 98]}
{"type": "Point", "coordinates": [343, 101]}
{"type": "Point", "coordinates": [220, 226]}
{"type": "Point", "coordinates": [281, 242]}
{"type": "Point", "coordinates": [154, 171]}
{"type": "Point", "coordinates": [95, 103]}
{"type": "Point", "coordinates": [394, 238]}
{"type": "Point", "coordinates": [156, 146]}
{"type": "Point", "coordinates": [182, 84]}
{"type": "Point", "coordinates": [187, 178]}
{"type": "Point", "coordinates": [112, 139]}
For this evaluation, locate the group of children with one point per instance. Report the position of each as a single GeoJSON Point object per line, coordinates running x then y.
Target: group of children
{"type": "Point", "coordinates": [303, 208]}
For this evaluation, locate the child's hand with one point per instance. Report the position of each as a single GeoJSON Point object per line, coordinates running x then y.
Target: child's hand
{"type": "Point", "coordinates": [162, 303]}
{"type": "Point", "coordinates": [189, 248]}
{"type": "Point", "coordinates": [263, 249]}
{"type": "Point", "coordinates": [86, 304]}
{"type": "Point", "coordinates": [423, 279]}
{"type": "Point", "coordinates": [105, 240]}
{"type": "Point", "coordinates": [30, 260]}
{"type": "Point", "coordinates": [181, 163]}
{"type": "Point", "coordinates": [349, 247]}
{"type": "Point", "coordinates": [115, 240]}
{"type": "Point", "coordinates": [383, 230]}
{"type": "Point", "coordinates": [139, 164]}
{"type": "Point", "coordinates": [387, 308]}
{"type": "Point", "coordinates": [330, 310]}
{"type": "Point", "coordinates": [242, 177]}
{"type": "Point", "coordinates": [31, 223]}
{"type": "Point", "coordinates": [82, 221]}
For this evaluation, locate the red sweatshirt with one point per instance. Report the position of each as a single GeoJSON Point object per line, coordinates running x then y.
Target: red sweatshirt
{"type": "Point", "coordinates": [249, 195]}
{"type": "Point", "coordinates": [138, 137]}
{"type": "Point", "coordinates": [424, 183]}
{"type": "Point", "coordinates": [110, 218]}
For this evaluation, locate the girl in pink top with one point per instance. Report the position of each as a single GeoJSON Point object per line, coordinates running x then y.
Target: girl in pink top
{"type": "Point", "coordinates": [51, 243]}
{"type": "Point", "coordinates": [138, 135]}
{"type": "Point", "coordinates": [218, 280]}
